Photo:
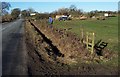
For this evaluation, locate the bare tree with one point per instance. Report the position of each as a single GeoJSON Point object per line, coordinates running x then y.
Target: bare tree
{"type": "Point", "coordinates": [4, 7]}
{"type": "Point", "coordinates": [25, 13]}
{"type": "Point", "coordinates": [63, 11]}
{"type": "Point", "coordinates": [31, 10]}
{"type": "Point", "coordinates": [15, 13]}
{"type": "Point", "coordinates": [74, 11]}
{"type": "Point", "coordinates": [73, 8]}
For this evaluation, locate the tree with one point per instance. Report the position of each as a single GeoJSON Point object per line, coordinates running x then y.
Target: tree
{"type": "Point", "coordinates": [63, 11]}
{"type": "Point", "coordinates": [73, 8]}
{"type": "Point", "coordinates": [25, 13]}
{"type": "Point", "coordinates": [4, 7]}
{"type": "Point", "coordinates": [79, 11]}
{"type": "Point", "coordinates": [31, 10]}
{"type": "Point", "coordinates": [43, 16]}
{"type": "Point", "coordinates": [92, 13]}
{"type": "Point", "coordinates": [74, 11]}
{"type": "Point", "coordinates": [15, 13]}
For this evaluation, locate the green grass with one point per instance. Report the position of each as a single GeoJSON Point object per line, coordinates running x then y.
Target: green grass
{"type": "Point", "coordinates": [107, 30]}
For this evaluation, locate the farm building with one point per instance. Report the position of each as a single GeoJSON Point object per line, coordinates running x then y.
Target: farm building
{"type": "Point", "coordinates": [63, 17]}
{"type": "Point", "coordinates": [32, 14]}
{"type": "Point", "coordinates": [106, 14]}
{"type": "Point", "coordinates": [83, 17]}
{"type": "Point", "coordinates": [58, 16]}
{"type": "Point", "coordinates": [93, 17]}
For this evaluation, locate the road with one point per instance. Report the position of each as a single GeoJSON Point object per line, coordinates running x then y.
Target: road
{"type": "Point", "coordinates": [14, 55]}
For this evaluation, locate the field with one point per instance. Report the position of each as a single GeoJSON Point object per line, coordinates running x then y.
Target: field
{"type": "Point", "coordinates": [47, 46]}
{"type": "Point", "coordinates": [107, 30]}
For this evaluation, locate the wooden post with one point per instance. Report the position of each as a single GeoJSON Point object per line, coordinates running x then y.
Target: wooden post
{"type": "Point", "coordinates": [92, 43]}
{"type": "Point", "coordinates": [87, 39]}
{"type": "Point", "coordinates": [82, 33]}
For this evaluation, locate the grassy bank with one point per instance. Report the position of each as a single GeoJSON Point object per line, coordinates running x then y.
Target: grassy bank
{"type": "Point", "coordinates": [107, 30]}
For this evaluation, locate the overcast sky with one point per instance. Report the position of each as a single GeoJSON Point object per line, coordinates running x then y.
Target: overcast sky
{"type": "Point", "coordinates": [51, 6]}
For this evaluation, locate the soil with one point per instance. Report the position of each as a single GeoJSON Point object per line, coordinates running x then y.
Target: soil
{"type": "Point", "coordinates": [50, 54]}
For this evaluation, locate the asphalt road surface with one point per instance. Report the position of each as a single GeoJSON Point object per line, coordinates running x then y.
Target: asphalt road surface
{"type": "Point", "coordinates": [14, 55]}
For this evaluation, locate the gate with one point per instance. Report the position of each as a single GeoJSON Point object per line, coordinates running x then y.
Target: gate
{"type": "Point", "coordinates": [88, 40]}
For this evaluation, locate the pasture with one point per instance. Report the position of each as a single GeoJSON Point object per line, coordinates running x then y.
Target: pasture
{"type": "Point", "coordinates": [107, 30]}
